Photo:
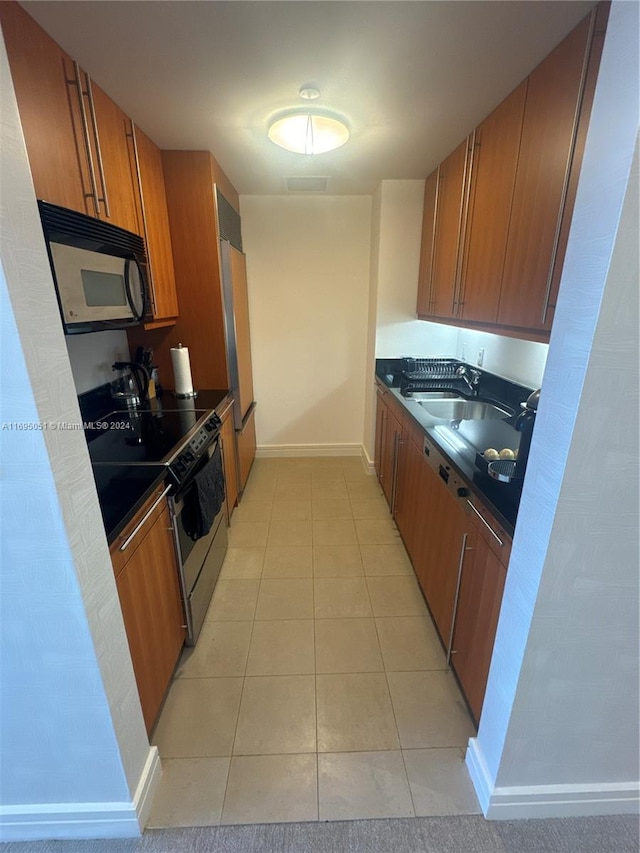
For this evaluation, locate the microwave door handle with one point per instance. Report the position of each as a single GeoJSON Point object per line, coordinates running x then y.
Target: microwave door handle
{"type": "Point", "coordinates": [127, 284]}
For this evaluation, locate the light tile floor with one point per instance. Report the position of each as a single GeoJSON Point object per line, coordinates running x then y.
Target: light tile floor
{"type": "Point", "coordinates": [318, 688]}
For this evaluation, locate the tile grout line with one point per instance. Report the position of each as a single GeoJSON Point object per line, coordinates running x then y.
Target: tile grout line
{"type": "Point", "coordinates": [393, 711]}
{"type": "Point", "coordinates": [244, 677]}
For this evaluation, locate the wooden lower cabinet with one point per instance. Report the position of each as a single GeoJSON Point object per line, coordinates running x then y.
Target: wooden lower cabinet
{"type": "Point", "coordinates": [484, 572]}
{"type": "Point", "coordinates": [447, 536]}
{"type": "Point", "coordinates": [442, 525]}
{"type": "Point", "coordinates": [227, 434]}
{"type": "Point", "coordinates": [408, 515]}
{"type": "Point", "coordinates": [246, 439]}
{"type": "Point", "coordinates": [388, 436]}
{"type": "Point", "coordinates": [149, 592]}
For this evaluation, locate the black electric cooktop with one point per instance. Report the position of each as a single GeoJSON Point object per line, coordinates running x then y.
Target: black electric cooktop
{"type": "Point", "coordinates": [148, 435]}
{"type": "Point", "coordinates": [130, 450]}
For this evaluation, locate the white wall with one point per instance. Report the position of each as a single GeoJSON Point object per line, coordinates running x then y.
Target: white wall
{"type": "Point", "coordinates": [92, 355]}
{"type": "Point", "coordinates": [559, 732]}
{"type": "Point", "coordinates": [73, 744]}
{"type": "Point", "coordinates": [396, 242]}
{"type": "Point", "coordinates": [308, 280]}
{"type": "Point", "coordinates": [520, 361]}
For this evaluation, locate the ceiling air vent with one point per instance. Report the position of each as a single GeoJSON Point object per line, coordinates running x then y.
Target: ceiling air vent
{"type": "Point", "coordinates": [307, 185]}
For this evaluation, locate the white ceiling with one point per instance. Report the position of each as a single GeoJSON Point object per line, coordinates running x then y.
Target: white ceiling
{"type": "Point", "coordinates": [411, 78]}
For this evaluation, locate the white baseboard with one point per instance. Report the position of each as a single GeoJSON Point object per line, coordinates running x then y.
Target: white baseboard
{"type": "Point", "coordinates": [272, 451]}
{"type": "Point", "coordinates": [147, 786]}
{"type": "Point", "coordinates": [539, 801]}
{"type": "Point", "coordinates": [44, 821]}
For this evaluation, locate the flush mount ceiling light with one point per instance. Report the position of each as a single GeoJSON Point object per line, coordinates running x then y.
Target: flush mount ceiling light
{"type": "Point", "coordinates": [308, 132]}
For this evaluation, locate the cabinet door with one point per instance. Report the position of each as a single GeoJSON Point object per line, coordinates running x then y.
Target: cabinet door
{"type": "Point", "coordinates": [408, 493]}
{"type": "Point", "coordinates": [389, 456]}
{"type": "Point", "coordinates": [452, 187]}
{"type": "Point", "coordinates": [229, 460]}
{"type": "Point", "coordinates": [246, 439]}
{"type": "Point", "coordinates": [47, 95]}
{"type": "Point", "coordinates": [426, 250]}
{"type": "Point", "coordinates": [381, 421]}
{"type": "Point", "coordinates": [442, 526]}
{"type": "Point", "coordinates": [156, 227]}
{"type": "Point", "coordinates": [479, 602]}
{"type": "Point", "coordinates": [152, 610]}
{"type": "Point", "coordinates": [495, 158]}
{"type": "Point", "coordinates": [115, 160]}
{"type": "Point", "coordinates": [548, 135]}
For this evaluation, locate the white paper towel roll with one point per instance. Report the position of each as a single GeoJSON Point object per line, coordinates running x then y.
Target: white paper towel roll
{"type": "Point", "coordinates": [181, 370]}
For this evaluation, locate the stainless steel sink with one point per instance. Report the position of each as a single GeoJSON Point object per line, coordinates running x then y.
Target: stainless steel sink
{"type": "Point", "coordinates": [419, 396]}
{"type": "Point", "coordinates": [463, 410]}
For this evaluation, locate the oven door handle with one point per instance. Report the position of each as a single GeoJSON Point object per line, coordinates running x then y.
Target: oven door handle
{"type": "Point", "coordinates": [144, 520]}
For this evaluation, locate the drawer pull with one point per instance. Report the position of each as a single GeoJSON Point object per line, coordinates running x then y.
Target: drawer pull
{"type": "Point", "coordinates": [487, 525]}
{"type": "Point", "coordinates": [144, 520]}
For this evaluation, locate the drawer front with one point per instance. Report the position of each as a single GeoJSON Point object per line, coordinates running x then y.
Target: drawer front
{"type": "Point", "coordinates": [121, 551]}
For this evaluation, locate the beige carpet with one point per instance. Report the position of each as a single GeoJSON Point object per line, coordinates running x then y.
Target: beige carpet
{"type": "Point", "coordinates": [464, 834]}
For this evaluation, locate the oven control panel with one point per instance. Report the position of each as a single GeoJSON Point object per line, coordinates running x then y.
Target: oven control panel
{"type": "Point", "coordinates": [196, 446]}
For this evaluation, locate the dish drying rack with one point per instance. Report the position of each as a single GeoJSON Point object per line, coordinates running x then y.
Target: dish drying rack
{"type": "Point", "coordinates": [421, 374]}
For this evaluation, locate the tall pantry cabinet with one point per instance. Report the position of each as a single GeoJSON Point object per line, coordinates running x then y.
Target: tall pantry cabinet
{"type": "Point", "coordinates": [192, 181]}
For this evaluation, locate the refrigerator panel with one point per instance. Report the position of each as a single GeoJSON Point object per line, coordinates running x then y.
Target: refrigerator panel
{"type": "Point", "coordinates": [236, 321]}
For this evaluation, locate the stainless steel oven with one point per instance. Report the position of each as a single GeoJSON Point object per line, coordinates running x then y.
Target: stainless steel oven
{"type": "Point", "coordinates": [200, 557]}
{"type": "Point", "coordinates": [186, 441]}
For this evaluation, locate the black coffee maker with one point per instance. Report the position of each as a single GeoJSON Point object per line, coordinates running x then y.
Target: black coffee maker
{"type": "Point", "coordinates": [524, 424]}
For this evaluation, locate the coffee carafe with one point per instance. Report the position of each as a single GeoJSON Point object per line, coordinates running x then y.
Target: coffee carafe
{"type": "Point", "coordinates": [524, 424]}
{"type": "Point", "coordinates": [129, 388]}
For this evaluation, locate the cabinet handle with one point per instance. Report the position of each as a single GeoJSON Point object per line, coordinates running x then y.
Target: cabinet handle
{"type": "Point", "coordinates": [92, 110]}
{"type": "Point", "coordinates": [144, 520]}
{"type": "Point", "coordinates": [394, 486]}
{"type": "Point", "coordinates": [487, 525]}
{"type": "Point", "coordinates": [87, 143]}
{"type": "Point", "coordinates": [383, 435]}
{"type": "Point", "coordinates": [463, 548]}
{"type": "Point", "coordinates": [462, 222]}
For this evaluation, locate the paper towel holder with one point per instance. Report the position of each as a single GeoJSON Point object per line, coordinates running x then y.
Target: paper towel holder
{"type": "Point", "coordinates": [183, 395]}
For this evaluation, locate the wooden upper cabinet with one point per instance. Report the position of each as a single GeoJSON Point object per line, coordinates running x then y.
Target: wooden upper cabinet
{"type": "Point", "coordinates": [115, 162]}
{"type": "Point", "coordinates": [502, 209]}
{"type": "Point", "coordinates": [452, 188]}
{"type": "Point", "coordinates": [428, 235]}
{"type": "Point", "coordinates": [78, 140]}
{"type": "Point", "coordinates": [495, 160]}
{"type": "Point", "coordinates": [155, 218]}
{"type": "Point", "coordinates": [47, 93]}
{"type": "Point", "coordinates": [548, 135]}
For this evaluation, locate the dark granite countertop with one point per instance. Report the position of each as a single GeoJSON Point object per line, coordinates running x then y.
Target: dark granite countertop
{"type": "Point", "coordinates": [460, 446]}
{"type": "Point", "coordinates": [122, 490]}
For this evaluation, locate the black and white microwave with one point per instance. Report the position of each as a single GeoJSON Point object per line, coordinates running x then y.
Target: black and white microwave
{"type": "Point", "coordinates": [99, 270]}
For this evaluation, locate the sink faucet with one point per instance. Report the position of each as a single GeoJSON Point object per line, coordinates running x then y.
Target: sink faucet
{"type": "Point", "coordinates": [470, 376]}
